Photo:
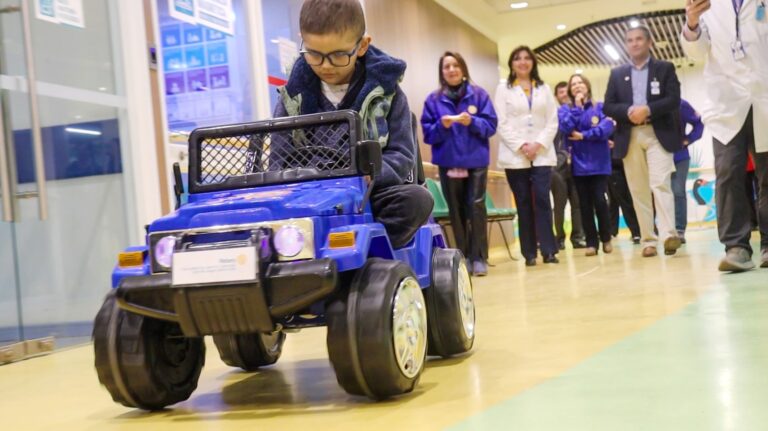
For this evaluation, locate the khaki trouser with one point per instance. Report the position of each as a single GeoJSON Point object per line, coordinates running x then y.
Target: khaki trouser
{"type": "Point", "coordinates": [649, 168]}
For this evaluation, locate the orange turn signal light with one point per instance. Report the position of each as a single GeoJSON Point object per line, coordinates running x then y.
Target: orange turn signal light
{"type": "Point", "coordinates": [341, 239]}
{"type": "Point", "coordinates": [129, 259]}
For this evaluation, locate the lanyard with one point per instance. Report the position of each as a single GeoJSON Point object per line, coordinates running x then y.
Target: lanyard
{"type": "Point", "coordinates": [737, 4]}
{"type": "Point", "coordinates": [530, 97]}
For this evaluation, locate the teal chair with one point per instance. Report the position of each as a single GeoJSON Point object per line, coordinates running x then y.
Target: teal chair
{"type": "Point", "coordinates": [498, 215]}
{"type": "Point", "coordinates": [440, 210]}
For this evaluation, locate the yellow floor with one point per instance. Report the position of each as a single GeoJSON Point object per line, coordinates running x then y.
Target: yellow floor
{"type": "Point", "coordinates": [533, 325]}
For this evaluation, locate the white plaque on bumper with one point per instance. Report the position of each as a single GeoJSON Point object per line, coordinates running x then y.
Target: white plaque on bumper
{"type": "Point", "coordinates": [214, 266]}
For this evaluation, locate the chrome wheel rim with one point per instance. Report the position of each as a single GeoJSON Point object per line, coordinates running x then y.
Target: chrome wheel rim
{"type": "Point", "coordinates": [409, 327]}
{"type": "Point", "coordinates": [466, 301]}
{"type": "Point", "coordinates": [271, 342]}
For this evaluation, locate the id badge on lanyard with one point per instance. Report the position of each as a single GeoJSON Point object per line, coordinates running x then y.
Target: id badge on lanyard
{"type": "Point", "coordinates": [737, 47]}
{"type": "Point", "coordinates": [530, 107]}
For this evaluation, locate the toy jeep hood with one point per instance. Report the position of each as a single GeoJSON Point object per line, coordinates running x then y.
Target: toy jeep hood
{"type": "Point", "coordinates": [341, 196]}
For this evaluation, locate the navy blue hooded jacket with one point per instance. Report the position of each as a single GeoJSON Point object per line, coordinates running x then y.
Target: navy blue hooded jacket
{"type": "Point", "coordinates": [375, 69]}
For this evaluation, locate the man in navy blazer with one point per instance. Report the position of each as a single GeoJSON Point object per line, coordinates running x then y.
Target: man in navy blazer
{"type": "Point", "coordinates": [644, 99]}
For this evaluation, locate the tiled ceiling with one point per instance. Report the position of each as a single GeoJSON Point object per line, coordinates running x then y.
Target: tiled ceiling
{"type": "Point", "coordinates": [503, 5]}
{"type": "Point", "coordinates": [585, 46]}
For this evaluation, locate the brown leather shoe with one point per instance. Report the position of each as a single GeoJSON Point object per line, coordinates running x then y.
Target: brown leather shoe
{"type": "Point", "coordinates": [671, 245]}
{"type": "Point", "coordinates": [649, 251]}
{"type": "Point", "coordinates": [590, 251]}
{"type": "Point", "coordinates": [607, 247]}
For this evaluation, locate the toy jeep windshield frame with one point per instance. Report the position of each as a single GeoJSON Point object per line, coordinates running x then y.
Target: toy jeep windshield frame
{"type": "Point", "coordinates": [278, 151]}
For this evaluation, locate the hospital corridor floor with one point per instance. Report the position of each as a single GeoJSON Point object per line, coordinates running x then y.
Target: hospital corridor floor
{"type": "Point", "coordinates": [614, 342]}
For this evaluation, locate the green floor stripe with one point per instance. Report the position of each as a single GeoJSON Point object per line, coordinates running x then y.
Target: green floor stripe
{"type": "Point", "coordinates": [704, 368]}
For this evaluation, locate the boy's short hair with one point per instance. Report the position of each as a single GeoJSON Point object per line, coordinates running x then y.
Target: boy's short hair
{"type": "Point", "coordinates": [332, 16]}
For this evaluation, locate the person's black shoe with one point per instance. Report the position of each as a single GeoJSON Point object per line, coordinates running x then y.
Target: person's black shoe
{"type": "Point", "coordinates": [530, 262]}
{"type": "Point", "coordinates": [551, 258]}
{"type": "Point", "coordinates": [579, 244]}
{"type": "Point", "coordinates": [561, 244]}
{"type": "Point", "coordinates": [635, 240]}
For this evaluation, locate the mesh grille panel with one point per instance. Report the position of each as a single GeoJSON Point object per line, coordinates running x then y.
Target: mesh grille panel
{"type": "Point", "coordinates": [322, 149]}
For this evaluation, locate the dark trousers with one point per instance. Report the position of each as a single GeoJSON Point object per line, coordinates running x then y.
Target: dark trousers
{"type": "Point", "coordinates": [733, 220]}
{"type": "Point", "coordinates": [592, 190]}
{"type": "Point", "coordinates": [619, 197]}
{"type": "Point", "coordinates": [466, 208]}
{"type": "Point", "coordinates": [531, 190]}
{"type": "Point", "coordinates": [752, 193]}
{"type": "Point", "coordinates": [402, 210]}
{"type": "Point", "coordinates": [679, 178]}
{"type": "Point", "coordinates": [564, 190]}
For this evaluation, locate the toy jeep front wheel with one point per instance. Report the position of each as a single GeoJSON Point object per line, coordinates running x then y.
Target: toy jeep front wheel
{"type": "Point", "coordinates": [250, 351]}
{"type": "Point", "coordinates": [143, 362]}
{"type": "Point", "coordinates": [377, 332]}
{"type": "Point", "coordinates": [450, 305]}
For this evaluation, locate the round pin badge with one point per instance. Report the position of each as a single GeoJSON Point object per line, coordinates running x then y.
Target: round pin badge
{"type": "Point", "coordinates": [472, 109]}
{"type": "Point", "coordinates": [595, 120]}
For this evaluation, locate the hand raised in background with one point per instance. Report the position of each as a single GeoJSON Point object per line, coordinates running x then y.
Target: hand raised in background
{"type": "Point", "coordinates": [693, 11]}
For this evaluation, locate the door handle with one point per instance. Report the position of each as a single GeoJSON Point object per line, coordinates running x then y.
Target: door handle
{"type": "Point", "coordinates": [37, 139]}
{"type": "Point", "coordinates": [5, 177]}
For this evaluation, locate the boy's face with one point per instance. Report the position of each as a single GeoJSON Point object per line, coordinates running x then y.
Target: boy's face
{"type": "Point", "coordinates": [336, 44]}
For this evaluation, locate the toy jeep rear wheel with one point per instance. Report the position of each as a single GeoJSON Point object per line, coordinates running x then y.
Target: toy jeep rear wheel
{"type": "Point", "coordinates": [377, 332]}
{"type": "Point", "coordinates": [450, 305]}
{"type": "Point", "coordinates": [144, 362]}
{"type": "Point", "coordinates": [250, 351]}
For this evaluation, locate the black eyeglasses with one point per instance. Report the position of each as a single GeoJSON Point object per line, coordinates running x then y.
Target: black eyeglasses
{"type": "Point", "coordinates": [336, 58]}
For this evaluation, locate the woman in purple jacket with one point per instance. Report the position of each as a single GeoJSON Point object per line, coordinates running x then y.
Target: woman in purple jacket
{"type": "Point", "coordinates": [457, 120]}
{"type": "Point", "coordinates": [587, 130]}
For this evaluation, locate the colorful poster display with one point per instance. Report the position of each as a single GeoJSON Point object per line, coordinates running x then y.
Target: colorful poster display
{"type": "Point", "coordinates": [206, 78]}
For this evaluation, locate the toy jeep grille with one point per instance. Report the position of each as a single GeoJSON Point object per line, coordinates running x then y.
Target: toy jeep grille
{"type": "Point", "coordinates": [272, 152]}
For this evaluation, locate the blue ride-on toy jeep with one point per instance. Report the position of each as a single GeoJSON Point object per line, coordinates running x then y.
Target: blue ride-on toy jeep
{"type": "Point", "coordinates": [277, 235]}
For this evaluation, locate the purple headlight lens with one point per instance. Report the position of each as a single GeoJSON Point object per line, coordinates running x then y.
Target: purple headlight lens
{"type": "Point", "coordinates": [289, 241]}
{"type": "Point", "coordinates": [164, 251]}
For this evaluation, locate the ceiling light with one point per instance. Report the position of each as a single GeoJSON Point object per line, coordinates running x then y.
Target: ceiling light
{"type": "Point", "coordinates": [634, 23]}
{"type": "Point", "coordinates": [82, 131]}
{"type": "Point", "coordinates": [520, 5]}
{"type": "Point", "coordinates": [612, 52]}
{"type": "Point", "coordinates": [579, 71]}
{"type": "Point", "coordinates": [561, 27]}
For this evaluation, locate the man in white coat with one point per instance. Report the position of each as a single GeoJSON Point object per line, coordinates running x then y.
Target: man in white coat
{"type": "Point", "coordinates": [731, 37]}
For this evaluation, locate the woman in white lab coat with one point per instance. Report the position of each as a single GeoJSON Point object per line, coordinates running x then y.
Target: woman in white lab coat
{"type": "Point", "coordinates": [735, 111]}
{"type": "Point", "coordinates": [527, 112]}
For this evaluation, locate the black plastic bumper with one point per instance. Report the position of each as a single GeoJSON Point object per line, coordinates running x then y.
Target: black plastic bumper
{"type": "Point", "coordinates": [283, 289]}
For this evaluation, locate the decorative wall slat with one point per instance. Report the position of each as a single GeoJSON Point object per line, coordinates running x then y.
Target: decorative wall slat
{"type": "Point", "coordinates": [584, 46]}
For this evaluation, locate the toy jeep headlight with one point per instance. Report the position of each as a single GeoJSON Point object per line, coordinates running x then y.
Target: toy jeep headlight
{"type": "Point", "coordinates": [289, 240]}
{"type": "Point", "coordinates": [293, 239]}
{"type": "Point", "coordinates": [162, 251]}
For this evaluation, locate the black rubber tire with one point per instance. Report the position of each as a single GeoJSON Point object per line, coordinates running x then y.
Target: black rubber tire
{"type": "Point", "coordinates": [143, 362]}
{"type": "Point", "coordinates": [447, 336]}
{"type": "Point", "coordinates": [250, 351]}
{"type": "Point", "coordinates": [360, 333]}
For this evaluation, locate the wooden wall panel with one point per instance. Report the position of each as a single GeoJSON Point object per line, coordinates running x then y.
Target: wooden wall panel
{"type": "Point", "coordinates": [419, 32]}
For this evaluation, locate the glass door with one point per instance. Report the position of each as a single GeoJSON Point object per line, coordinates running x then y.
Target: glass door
{"type": "Point", "coordinates": [65, 134]}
